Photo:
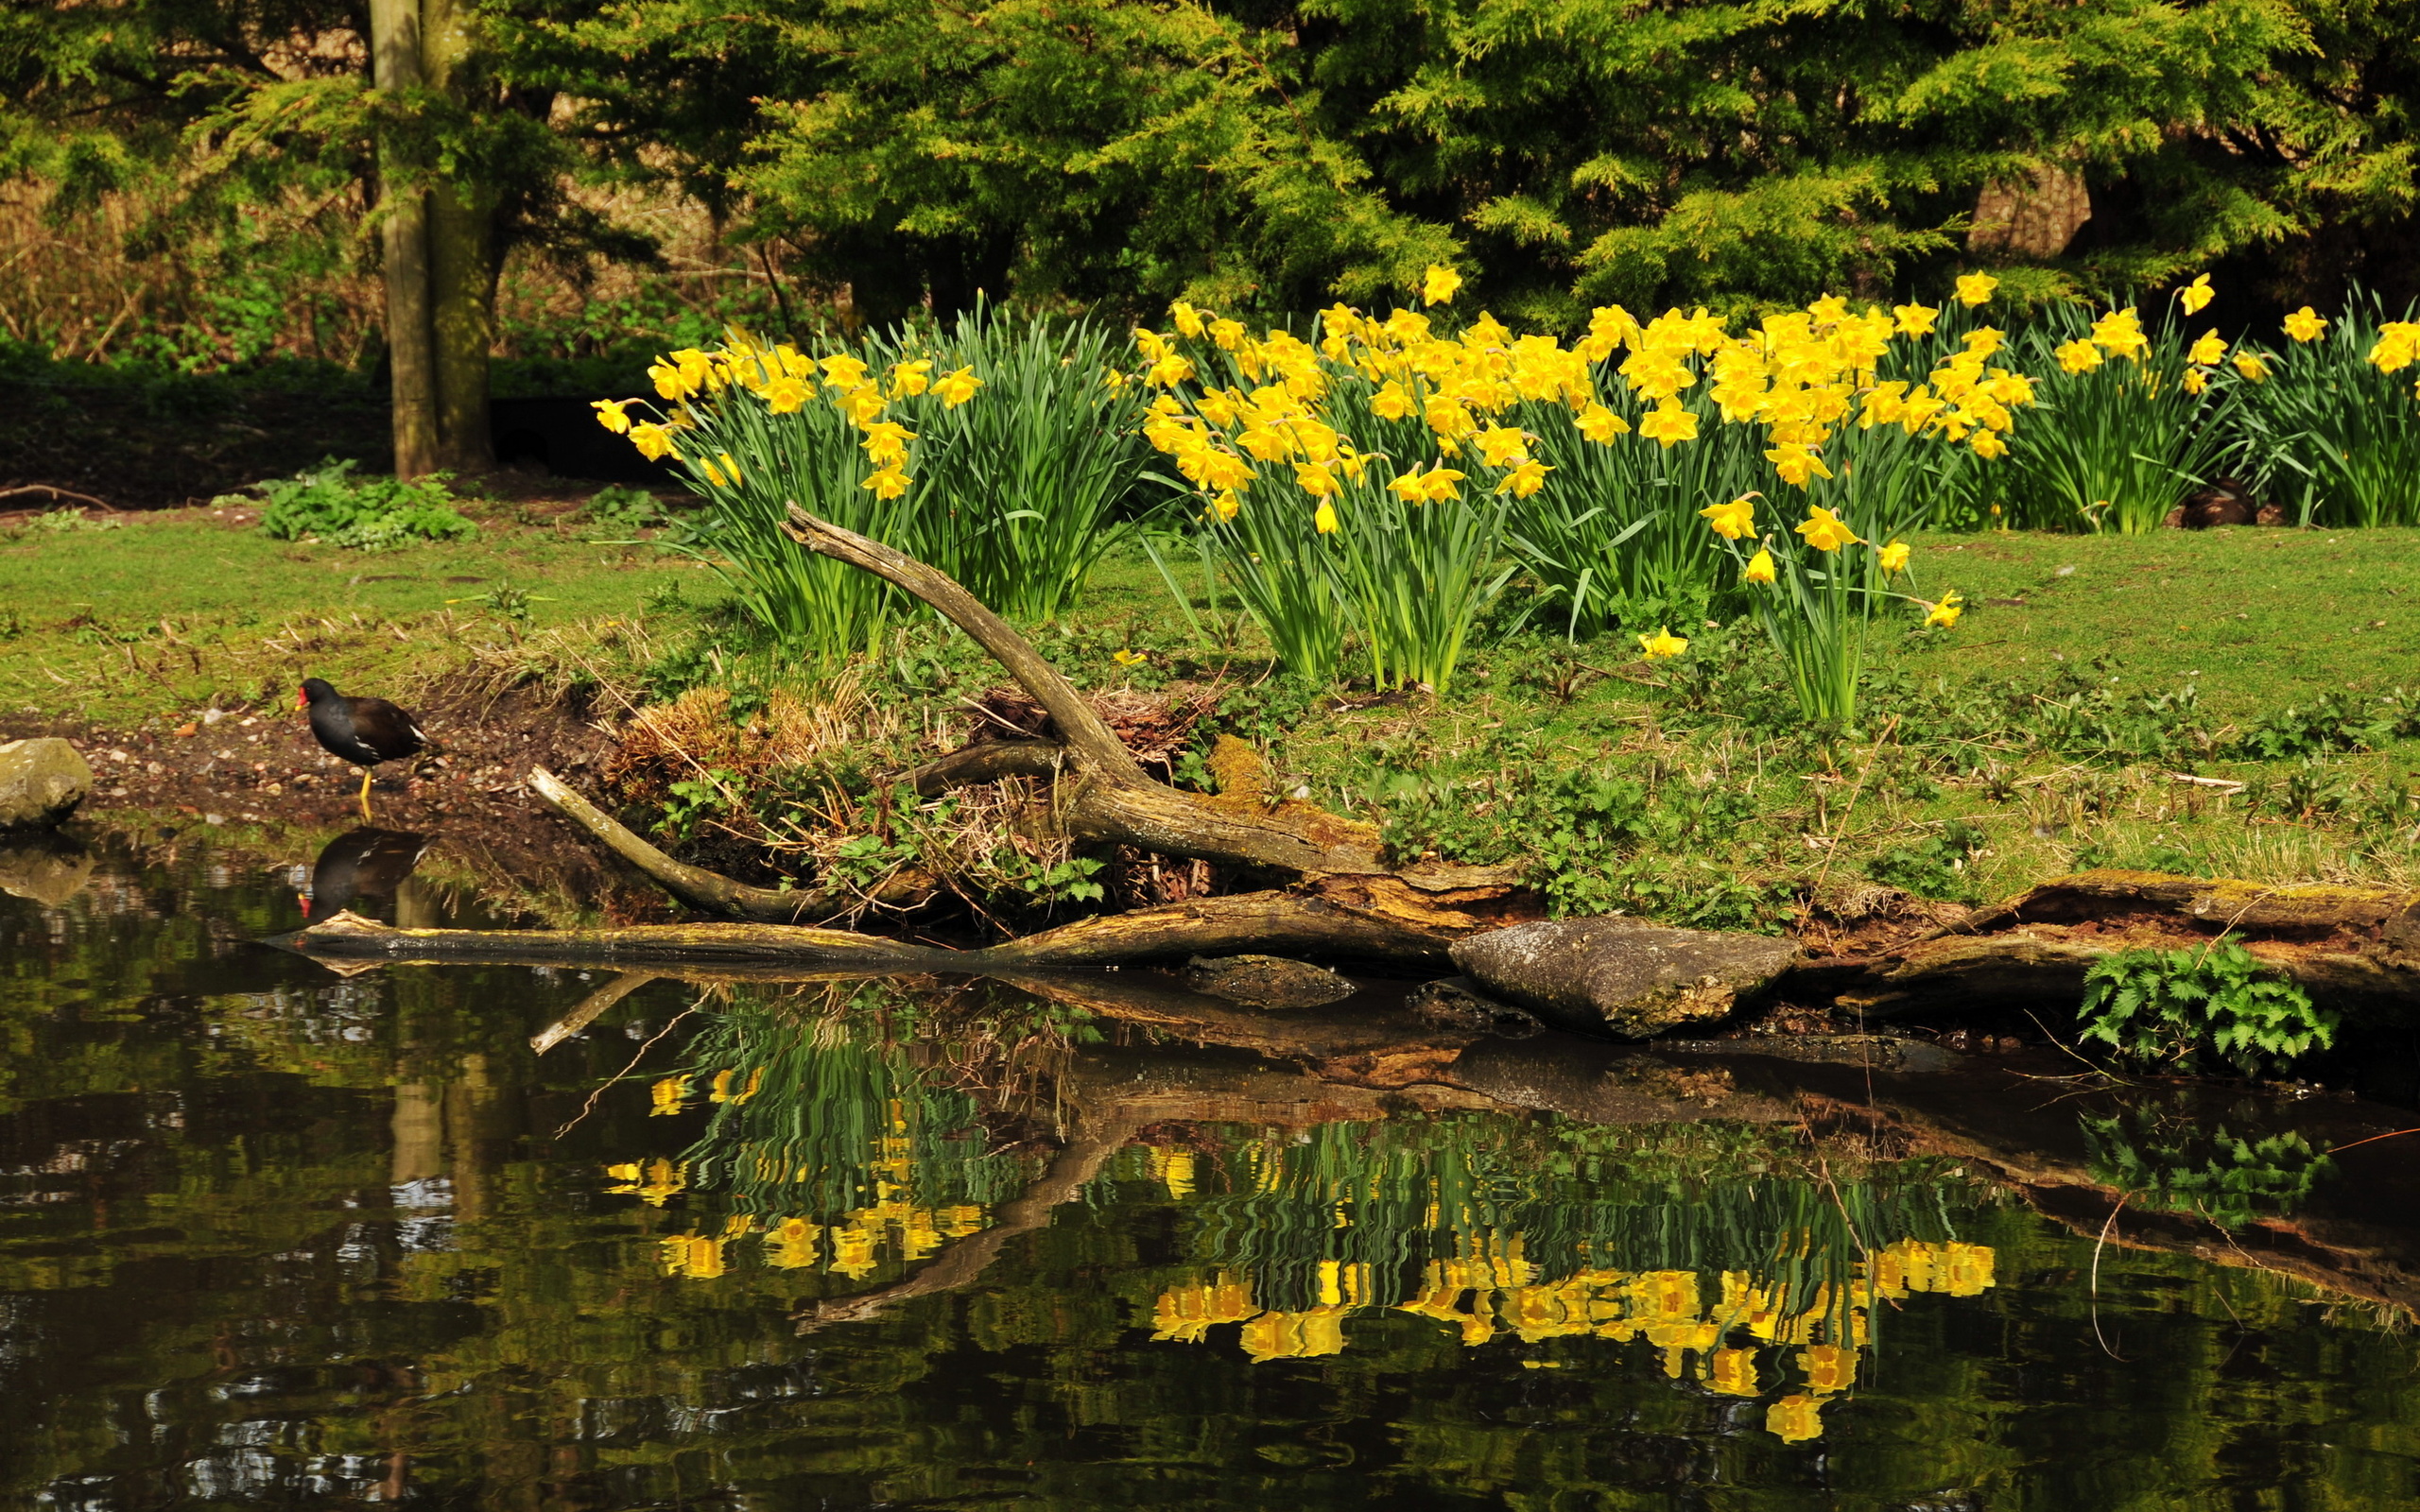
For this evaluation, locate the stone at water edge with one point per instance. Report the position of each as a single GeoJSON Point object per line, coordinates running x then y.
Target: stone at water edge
{"type": "Point", "coordinates": [1266, 980]}
{"type": "Point", "coordinates": [1620, 975]}
{"type": "Point", "coordinates": [41, 783]}
{"type": "Point", "coordinates": [44, 866]}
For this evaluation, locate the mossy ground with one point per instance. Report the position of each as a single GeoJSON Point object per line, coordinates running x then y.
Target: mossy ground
{"type": "Point", "coordinates": [2031, 740]}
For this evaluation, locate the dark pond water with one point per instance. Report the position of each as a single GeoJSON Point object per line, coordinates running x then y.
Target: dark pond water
{"type": "Point", "coordinates": [272, 1236]}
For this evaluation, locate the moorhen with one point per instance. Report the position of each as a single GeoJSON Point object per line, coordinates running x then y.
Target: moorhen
{"type": "Point", "coordinates": [364, 731]}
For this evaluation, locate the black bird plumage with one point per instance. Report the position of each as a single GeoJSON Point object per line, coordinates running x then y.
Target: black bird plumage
{"type": "Point", "coordinates": [364, 731]}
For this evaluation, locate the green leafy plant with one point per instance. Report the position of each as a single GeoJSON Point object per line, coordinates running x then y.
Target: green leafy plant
{"type": "Point", "coordinates": [619, 508]}
{"type": "Point", "coordinates": [695, 799]}
{"type": "Point", "coordinates": [2175, 1007]}
{"type": "Point", "coordinates": [328, 503]}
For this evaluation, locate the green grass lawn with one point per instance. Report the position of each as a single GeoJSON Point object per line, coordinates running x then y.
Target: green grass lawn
{"type": "Point", "coordinates": [166, 613]}
{"type": "Point", "coordinates": [1662, 789]}
{"type": "Point", "coordinates": [2257, 618]}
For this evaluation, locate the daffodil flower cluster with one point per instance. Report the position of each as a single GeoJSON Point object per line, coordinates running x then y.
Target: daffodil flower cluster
{"type": "Point", "coordinates": [1816, 595]}
{"type": "Point", "coordinates": [1322, 465]}
{"type": "Point", "coordinates": [785, 381]}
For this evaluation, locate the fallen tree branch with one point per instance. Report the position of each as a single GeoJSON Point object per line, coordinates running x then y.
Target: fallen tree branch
{"type": "Point", "coordinates": [695, 886]}
{"type": "Point", "coordinates": [1274, 921]}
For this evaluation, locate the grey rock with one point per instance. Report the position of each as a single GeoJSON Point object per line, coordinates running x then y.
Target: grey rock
{"type": "Point", "coordinates": [1266, 980]}
{"type": "Point", "coordinates": [41, 783]}
{"type": "Point", "coordinates": [1452, 1003]}
{"type": "Point", "coordinates": [1620, 975]}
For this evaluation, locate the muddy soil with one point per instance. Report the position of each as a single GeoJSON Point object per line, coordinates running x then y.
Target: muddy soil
{"type": "Point", "coordinates": [261, 772]}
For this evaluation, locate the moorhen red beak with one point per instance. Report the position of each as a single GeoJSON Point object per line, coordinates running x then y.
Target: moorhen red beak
{"type": "Point", "coordinates": [364, 731]}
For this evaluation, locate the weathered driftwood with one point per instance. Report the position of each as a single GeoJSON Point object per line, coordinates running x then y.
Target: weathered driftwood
{"type": "Point", "coordinates": [2351, 946]}
{"type": "Point", "coordinates": [1269, 920]}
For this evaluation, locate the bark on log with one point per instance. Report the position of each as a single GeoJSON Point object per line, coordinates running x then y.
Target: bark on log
{"type": "Point", "coordinates": [2346, 946]}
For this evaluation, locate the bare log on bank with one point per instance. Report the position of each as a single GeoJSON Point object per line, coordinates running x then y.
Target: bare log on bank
{"type": "Point", "coordinates": [1282, 921]}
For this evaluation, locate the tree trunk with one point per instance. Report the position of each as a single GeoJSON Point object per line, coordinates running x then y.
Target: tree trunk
{"type": "Point", "coordinates": [402, 236]}
{"type": "Point", "coordinates": [461, 262]}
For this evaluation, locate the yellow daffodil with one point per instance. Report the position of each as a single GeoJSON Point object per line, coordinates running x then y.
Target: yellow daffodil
{"type": "Point", "coordinates": [1893, 557]}
{"type": "Point", "coordinates": [1438, 485]}
{"type": "Point", "coordinates": [1988, 443]}
{"type": "Point", "coordinates": [862, 404]}
{"type": "Point", "coordinates": [1824, 530]}
{"type": "Point", "coordinates": [731, 468]}
{"type": "Point", "coordinates": [1525, 480]}
{"type": "Point", "coordinates": [611, 416]}
{"type": "Point", "coordinates": [2252, 365]}
{"type": "Point", "coordinates": [2304, 324]}
{"type": "Point", "coordinates": [1390, 402]}
{"type": "Point", "coordinates": [1439, 284]}
{"type": "Point", "coordinates": [1733, 521]}
{"type": "Point", "coordinates": [844, 371]}
{"type": "Point", "coordinates": [2121, 332]}
{"type": "Point", "coordinates": [1169, 371]}
{"type": "Point", "coordinates": [1759, 568]}
{"type": "Point", "coordinates": [1661, 644]}
{"type": "Point", "coordinates": [2195, 380]}
{"type": "Point", "coordinates": [2078, 356]}
{"type": "Point", "coordinates": [1228, 335]}
{"type": "Point", "coordinates": [887, 483]}
{"type": "Point", "coordinates": [1973, 288]}
{"type": "Point", "coordinates": [1500, 445]}
{"type": "Point", "coordinates": [1186, 318]}
{"type": "Point", "coordinates": [1323, 518]}
{"type": "Point", "coordinates": [1669, 423]}
{"type": "Point", "coordinates": [1129, 659]}
{"type": "Point", "coordinates": [2209, 351]}
{"type": "Point", "coordinates": [1796, 463]}
{"type": "Point", "coordinates": [909, 379]}
{"type": "Point", "coordinates": [667, 380]}
{"type": "Point", "coordinates": [786, 394]}
{"type": "Point", "coordinates": [886, 442]}
{"type": "Point", "coordinates": [653, 441]}
{"type": "Point", "coordinates": [1914, 319]}
{"type": "Point", "coordinates": [2398, 348]}
{"type": "Point", "coordinates": [1225, 504]}
{"type": "Point", "coordinates": [1944, 613]}
{"type": "Point", "coordinates": [1315, 480]}
{"type": "Point", "coordinates": [1599, 424]}
{"type": "Point", "coordinates": [2197, 294]}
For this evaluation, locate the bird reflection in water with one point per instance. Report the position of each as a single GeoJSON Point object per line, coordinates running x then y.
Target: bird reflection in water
{"type": "Point", "coordinates": [364, 864]}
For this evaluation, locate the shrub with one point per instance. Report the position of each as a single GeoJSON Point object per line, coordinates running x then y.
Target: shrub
{"type": "Point", "coordinates": [2176, 1007]}
{"type": "Point", "coordinates": [329, 504]}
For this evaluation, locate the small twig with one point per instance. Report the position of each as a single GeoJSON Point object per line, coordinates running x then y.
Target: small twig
{"type": "Point", "coordinates": [2095, 1277]}
{"type": "Point", "coordinates": [614, 1080]}
{"type": "Point", "coordinates": [2227, 784]}
{"type": "Point", "coordinates": [1825, 869]}
{"type": "Point", "coordinates": [58, 493]}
